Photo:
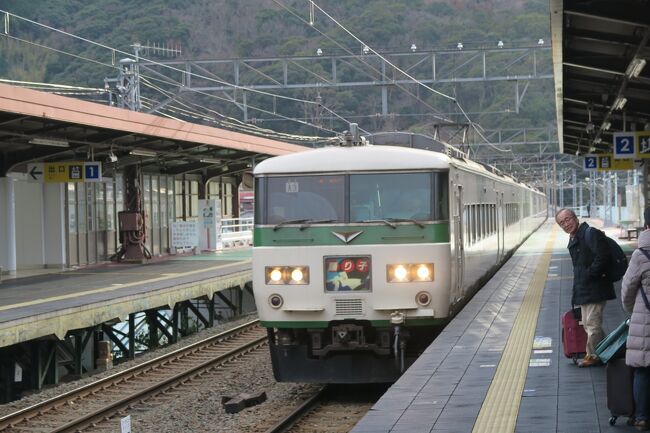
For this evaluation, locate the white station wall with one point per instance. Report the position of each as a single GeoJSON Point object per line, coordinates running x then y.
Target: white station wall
{"type": "Point", "coordinates": [29, 224]}
{"type": "Point", "coordinates": [7, 227]}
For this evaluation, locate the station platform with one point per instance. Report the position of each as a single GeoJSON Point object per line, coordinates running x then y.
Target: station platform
{"type": "Point", "coordinates": [499, 365]}
{"type": "Point", "coordinates": [55, 303]}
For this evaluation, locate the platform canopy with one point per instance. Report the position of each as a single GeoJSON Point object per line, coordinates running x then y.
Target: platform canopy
{"type": "Point", "coordinates": [42, 127]}
{"type": "Point", "coordinates": [602, 79]}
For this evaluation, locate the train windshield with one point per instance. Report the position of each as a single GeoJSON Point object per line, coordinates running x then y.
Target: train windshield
{"type": "Point", "coordinates": [344, 198]}
{"type": "Point", "coordinates": [391, 196]}
{"type": "Point", "coordinates": [302, 198]}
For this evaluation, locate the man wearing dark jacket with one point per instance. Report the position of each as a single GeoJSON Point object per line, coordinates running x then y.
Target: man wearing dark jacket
{"type": "Point", "coordinates": [591, 287]}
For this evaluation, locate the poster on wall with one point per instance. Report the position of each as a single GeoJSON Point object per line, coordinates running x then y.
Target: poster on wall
{"type": "Point", "coordinates": [185, 234]}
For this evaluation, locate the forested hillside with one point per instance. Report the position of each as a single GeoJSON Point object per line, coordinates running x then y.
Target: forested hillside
{"type": "Point", "coordinates": [213, 29]}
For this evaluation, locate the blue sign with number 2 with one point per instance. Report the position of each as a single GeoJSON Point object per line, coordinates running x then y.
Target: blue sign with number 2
{"type": "Point", "coordinates": [624, 145]}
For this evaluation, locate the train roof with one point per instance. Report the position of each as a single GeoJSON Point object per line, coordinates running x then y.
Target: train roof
{"type": "Point", "coordinates": [353, 158]}
{"type": "Point", "coordinates": [371, 157]}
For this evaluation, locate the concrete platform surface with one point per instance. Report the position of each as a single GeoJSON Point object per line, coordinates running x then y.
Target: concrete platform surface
{"type": "Point", "coordinates": [499, 365]}
{"type": "Point", "coordinates": [54, 303]}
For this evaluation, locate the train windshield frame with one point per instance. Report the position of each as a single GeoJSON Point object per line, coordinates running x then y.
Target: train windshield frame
{"type": "Point", "coordinates": [352, 198]}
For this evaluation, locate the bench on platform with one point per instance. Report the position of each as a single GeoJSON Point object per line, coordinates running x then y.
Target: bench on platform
{"type": "Point", "coordinates": [632, 233]}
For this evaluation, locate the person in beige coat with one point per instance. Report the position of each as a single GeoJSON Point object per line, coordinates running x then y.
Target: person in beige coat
{"type": "Point", "coordinates": [637, 278]}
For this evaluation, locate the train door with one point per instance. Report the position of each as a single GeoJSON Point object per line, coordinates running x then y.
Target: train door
{"type": "Point", "coordinates": [459, 239]}
{"type": "Point", "coordinates": [501, 225]}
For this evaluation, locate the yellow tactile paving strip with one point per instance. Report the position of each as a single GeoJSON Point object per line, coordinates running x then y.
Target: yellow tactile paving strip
{"type": "Point", "coordinates": [501, 405]}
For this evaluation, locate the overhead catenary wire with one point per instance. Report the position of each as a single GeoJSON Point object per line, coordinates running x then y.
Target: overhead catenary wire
{"type": "Point", "coordinates": [97, 90]}
{"type": "Point", "coordinates": [53, 86]}
{"type": "Point", "coordinates": [248, 127]}
{"type": "Point", "coordinates": [225, 83]}
{"type": "Point", "coordinates": [153, 62]}
{"type": "Point", "coordinates": [362, 60]}
{"type": "Point", "coordinates": [184, 111]}
{"type": "Point", "coordinates": [167, 94]}
{"type": "Point", "coordinates": [406, 74]}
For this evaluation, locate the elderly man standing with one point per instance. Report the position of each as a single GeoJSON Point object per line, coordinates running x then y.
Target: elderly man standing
{"type": "Point", "coordinates": [591, 287]}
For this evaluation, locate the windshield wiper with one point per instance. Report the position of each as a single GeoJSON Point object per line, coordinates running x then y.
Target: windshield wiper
{"type": "Point", "coordinates": [284, 223]}
{"type": "Point", "coordinates": [308, 223]}
{"type": "Point", "coordinates": [391, 225]}
{"type": "Point", "coordinates": [406, 220]}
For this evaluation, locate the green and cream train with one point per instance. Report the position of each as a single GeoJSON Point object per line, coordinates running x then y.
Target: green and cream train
{"type": "Point", "coordinates": [362, 253]}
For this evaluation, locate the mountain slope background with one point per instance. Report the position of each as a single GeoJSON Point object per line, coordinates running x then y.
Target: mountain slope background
{"type": "Point", "coordinates": [217, 29]}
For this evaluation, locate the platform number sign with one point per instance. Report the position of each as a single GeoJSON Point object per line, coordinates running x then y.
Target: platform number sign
{"type": "Point", "coordinates": [93, 171]}
{"type": "Point", "coordinates": [624, 145]}
{"type": "Point", "coordinates": [591, 162]}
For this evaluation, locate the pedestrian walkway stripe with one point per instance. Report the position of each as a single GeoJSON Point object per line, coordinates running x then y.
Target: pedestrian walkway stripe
{"type": "Point", "coordinates": [120, 287]}
{"type": "Point", "coordinates": [501, 405]}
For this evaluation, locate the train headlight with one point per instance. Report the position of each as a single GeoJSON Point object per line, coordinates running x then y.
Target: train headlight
{"type": "Point", "coordinates": [398, 273]}
{"type": "Point", "coordinates": [296, 275]}
{"type": "Point", "coordinates": [424, 272]}
{"type": "Point", "coordinates": [275, 300]}
{"type": "Point", "coordinates": [401, 273]}
{"type": "Point", "coordinates": [275, 275]}
{"type": "Point", "coordinates": [299, 275]}
{"type": "Point", "coordinates": [287, 274]}
{"type": "Point", "coordinates": [409, 273]}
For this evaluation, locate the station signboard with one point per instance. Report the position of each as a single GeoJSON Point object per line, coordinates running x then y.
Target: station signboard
{"type": "Point", "coordinates": [607, 162]}
{"type": "Point", "coordinates": [621, 164]}
{"type": "Point", "coordinates": [60, 172]}
{"type": "Point", "coordinates": [635, 145]}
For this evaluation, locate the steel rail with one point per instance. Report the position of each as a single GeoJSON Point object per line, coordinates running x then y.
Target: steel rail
{"type": "Point", "coordinates": [13, 419]}
{"type": "Point", "coordinates": [290, 420]}
{"type": "Point", "coordinates": [110, 410]}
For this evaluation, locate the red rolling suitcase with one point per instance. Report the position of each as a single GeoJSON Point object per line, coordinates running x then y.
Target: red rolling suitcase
{"type": "Point", "coordinates": [620, 398]}
{"type": "Point", "coordinates": [574, 337]}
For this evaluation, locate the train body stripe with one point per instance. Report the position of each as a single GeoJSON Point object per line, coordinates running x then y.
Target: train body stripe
{"type": "Point", "coordinates": [370, 234]}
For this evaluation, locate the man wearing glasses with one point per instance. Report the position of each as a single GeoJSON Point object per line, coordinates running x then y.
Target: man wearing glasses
{"type": "Point", "coordinates": [591, 287]}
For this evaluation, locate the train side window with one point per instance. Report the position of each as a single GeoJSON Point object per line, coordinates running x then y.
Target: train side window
{"type": "Point", "coordinates": [474, 224]}
{"type": "Point", "coordinates": [441, 197]}
{"type": "Point", "coordinates": [466, 223]}
{"type": "Point", "coordinates": [479, 229]}
{"type": "Point", "coordinates": [477, 224]}
{"type": "Point", "coordinates": [483, 221]}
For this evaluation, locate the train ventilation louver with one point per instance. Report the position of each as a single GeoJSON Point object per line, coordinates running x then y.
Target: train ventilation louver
{"type": "Point", "coordinates": [349, 307]}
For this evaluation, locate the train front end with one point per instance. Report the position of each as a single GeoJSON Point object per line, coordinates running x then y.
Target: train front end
{"type": "Point", "coordinates": [351, 266]}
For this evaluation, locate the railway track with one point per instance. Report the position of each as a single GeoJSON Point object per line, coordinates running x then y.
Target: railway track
{"type": "Point", "coordinates": [94, 404]}
{"type": "Point", "coordinates": [333, 409]}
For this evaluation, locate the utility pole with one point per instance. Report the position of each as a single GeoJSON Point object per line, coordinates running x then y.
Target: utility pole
{"type": "Point", "coordinates": [126, 86]}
